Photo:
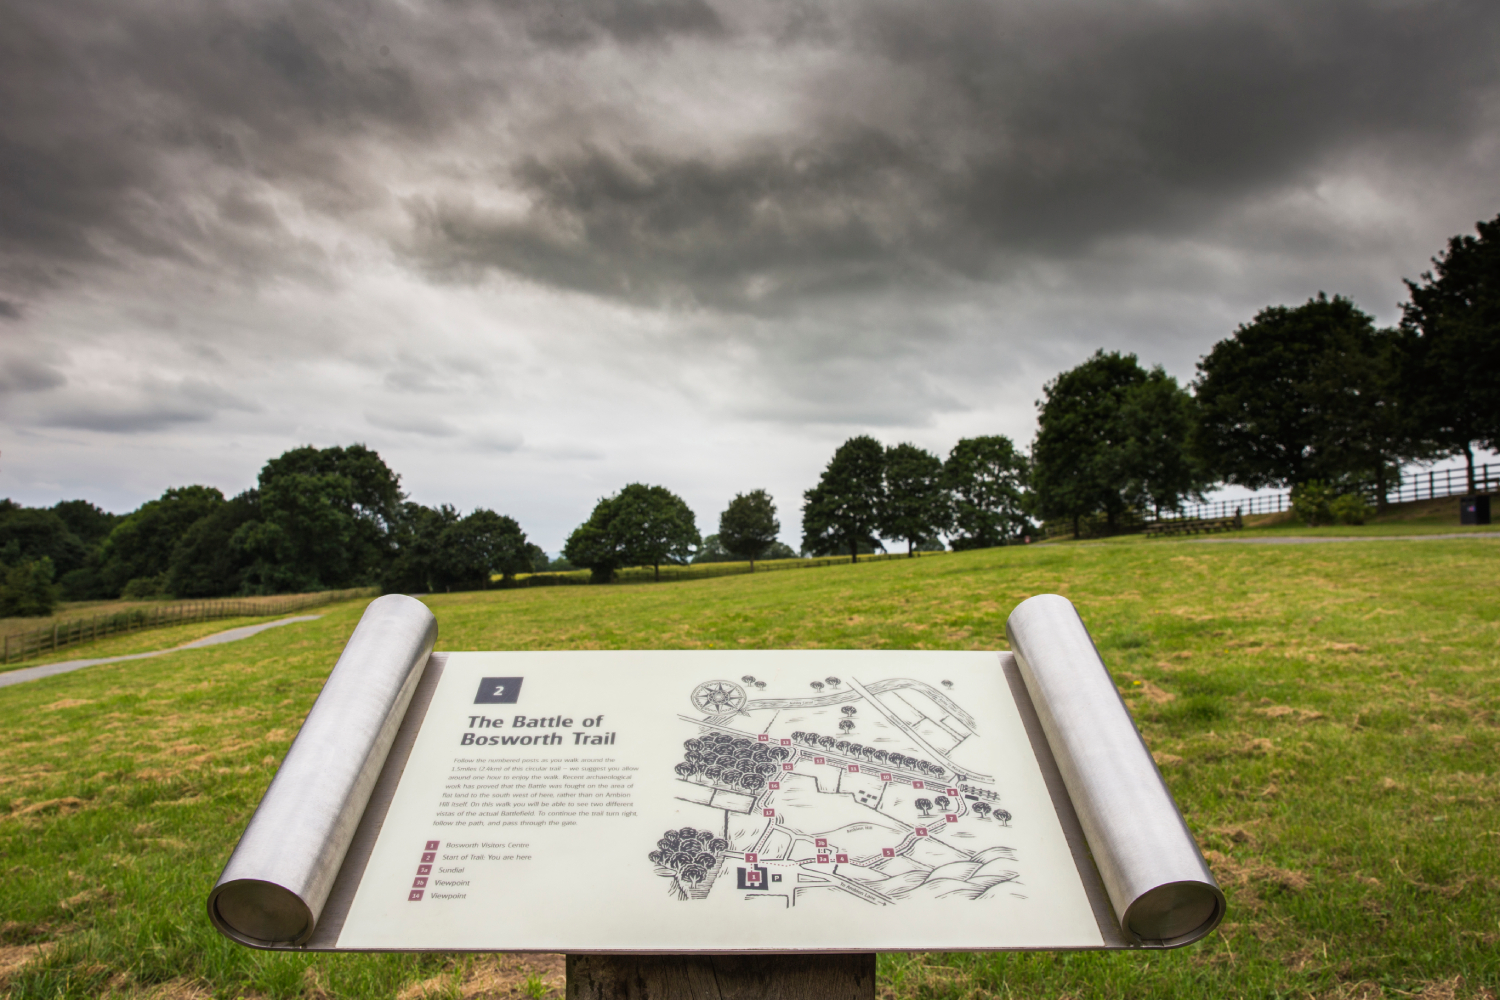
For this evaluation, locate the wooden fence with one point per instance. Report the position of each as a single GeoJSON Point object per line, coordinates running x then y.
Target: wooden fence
{"type": "Point", "coordinates": [34, 642]}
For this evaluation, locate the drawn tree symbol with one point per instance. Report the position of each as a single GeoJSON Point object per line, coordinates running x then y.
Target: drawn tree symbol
{"type": "Point", "coordinates": [941, 801]}
{"type": "Point", "coordinates": [1003, 816]}
{"type": "Point", "coordinates": [760, 685]}
{"type": "Point", "coordinates": [849, 710]}
{"type": "Point", "coordinates": [684, 770]}
{"type": "Point", "coordinates": [719, 697]}
{"type": "Point", "coordinates": [833, 682]}
{"type": "Point", "coordinates": [947, 684]}
{"type": "Point", "coordinates": [981, 809]}
{"type": "Point", "coordinates": [718, 845]}
{"type": "Point", "coordinates": [693, 874]}
{"type": "Point", "coordinates": [925, 805]}
{"type": "Point", "coordinates": [846, 724]}
{"type": "Point", "coordinates": [748, 678]}
{"type": "Point", "coordinates": [816, 685]}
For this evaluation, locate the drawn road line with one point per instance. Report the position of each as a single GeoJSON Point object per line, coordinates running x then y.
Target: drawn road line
{"type": "Point", "coordinates": [915, 737]}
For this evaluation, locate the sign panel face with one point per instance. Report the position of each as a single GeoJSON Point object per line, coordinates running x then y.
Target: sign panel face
{"type": "Point", "coordinates": [685, 801]}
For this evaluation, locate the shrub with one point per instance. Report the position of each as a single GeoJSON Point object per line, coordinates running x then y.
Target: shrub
{"type": "Point", "coordinates": [1312, 502]}
{"type": "Point", "coordinates": [27, 590]}
{"type": "Point", "coordinates": [1350, 509]}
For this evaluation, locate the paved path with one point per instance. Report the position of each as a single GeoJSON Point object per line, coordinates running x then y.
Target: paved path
{"type": "Point", "coordinates": [232, 635]}
{"type": "Point", "coordinates": [1304, 540]}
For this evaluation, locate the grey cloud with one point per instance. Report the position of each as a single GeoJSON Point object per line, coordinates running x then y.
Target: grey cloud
{"type": "Point", "coordinates": [912, 146]}
{"type": "Point", "coordinates": [993, 133]}
{"type": "Point", "coordinates": [19, 374]}
{"type": "Point", "coordinates": [152, 404]}
{"type": "Point", "coordinates": [424, 424]}
{"type": "Point", "coordinates": [569, 25]}
{"type": "Point", "coordinates": [9, 310]}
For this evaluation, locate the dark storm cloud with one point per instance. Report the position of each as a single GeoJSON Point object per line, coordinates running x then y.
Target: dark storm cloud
{"type": "Point", "coordinates": [908, 146]}
{"type": "Point", "coordinates": [1029, 130]}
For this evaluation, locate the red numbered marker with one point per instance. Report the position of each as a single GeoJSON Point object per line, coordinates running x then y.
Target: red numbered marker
{"type": "Point", "coordinates": [917, 784]}
{"type": "Point", "coordinates": [419, 883]}
{"type": "Point", "coordinates": [774, 786]}
{"type": "Point", "coordinates": [889, 852]}
{"type": "Point", "coordinates": [751, 858]}
{"type": "Point", "coordinates": [950, 817]}
{"type": "Point", "coordinates": [786, 767]}
{"type": "Point", "coordinates": [763, 738]}
{"type": "Point", "coordinates": [424, 869]}
{"type": "Point", "coordinates": [414, 896]}
{"type": "Point", "coordinates": [432, 845]}
{"type": "Point", "coordinates": [854, 768]}
{"type": "Point", "coordinates": [953, 791]}
{"type": "Point", "coordinates": [768, 812]}
{"type": "Point", "coordinates": [822, 841]}
{"type": "Point", "coordinates": [428, 858]}
{"type": "Point", "coordinates": [786, 743]}
{"type": "Point", "coordinates": [842, 859]}
{"type": "Point", "coordinates": [819, 760]}
{"type": "Point", "coordinates": [822, 859]}
{"type": "Point", "coordinates": [752, 877]}
{"type": "Point", "coordinates": [921, 831]}
{"type": "Point", "coordinates": [885, 776]}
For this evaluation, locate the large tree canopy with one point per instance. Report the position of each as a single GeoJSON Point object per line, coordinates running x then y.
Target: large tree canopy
{"type": "Point", "coordinates": [748, 526]}
{"type": "Point", "coordinates": [1301, 394]}
{"type": "Point", "coordinates": [1111, 437]}
{"type": "Point", "coordinates": [987, 479]}
{"type": "Point", "coordinates": [916, 504]}
{"type": "Point", "coordinates": [325, 519]}
{"type": "Point", "coordinates": [639, 526]}
{"type": "Point", "coordinates": [1453, 322]}
{"type": "Point", "coordinates": [842, 513]}
{"type": "Point", "coordinates": [437, 550]}
{"type": "Point", "coordinates": [138, 552]}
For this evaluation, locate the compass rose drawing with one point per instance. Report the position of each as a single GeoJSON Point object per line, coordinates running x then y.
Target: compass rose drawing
{"type": "Point", "coordinates": [719, 698]}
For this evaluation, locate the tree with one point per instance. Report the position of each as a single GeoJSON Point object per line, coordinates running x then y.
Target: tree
{"type": "Point", "coordinates": [981, 809]}
{"type": "Point", "coordinates": [844, 510]}
{"type": "Point", "coordinates": [138, 552]}
{"type": "Point", "coordinates": [987, 480]}
{"type": "Point", "coordinates": [205, 561]}
{"type": "Point", "coordinates": [916, 506]}
{"type": "Point", "coordinates": [1301, 394]}
{"type": "Point", "coordinates": [846, 725]}
{"type": "Point", "coordinates": [639, 526]}
{"type": "Point", "coordinates": [326, 520]}
{"type": "Point", "coordinates": [1453, 326]}
{"type": "Point", "coordinates": [748, 525]}
{"type": "Point", "coordinates": [26, 589]}
{"type": "Point", "coordinates": [1111, 437]}
{"type": "Point", "coordinates": [925, 805]}
{"type": "Point", "coordinates": [437, 550]}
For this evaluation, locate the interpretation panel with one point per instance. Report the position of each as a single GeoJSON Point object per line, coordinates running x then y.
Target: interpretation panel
{"type": "Point", "coordinates": [732, 801]}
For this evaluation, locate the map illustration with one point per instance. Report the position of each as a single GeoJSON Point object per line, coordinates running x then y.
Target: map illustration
{"type": "Point", "coordinates": [858, 789]}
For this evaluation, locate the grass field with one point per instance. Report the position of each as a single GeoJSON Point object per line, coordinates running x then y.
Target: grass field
{"type": "Point", "coordinates": [1327, 716]}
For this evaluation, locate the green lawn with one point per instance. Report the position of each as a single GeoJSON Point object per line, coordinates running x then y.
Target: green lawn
{"type": "Point", "coordinates": [1327, 716]}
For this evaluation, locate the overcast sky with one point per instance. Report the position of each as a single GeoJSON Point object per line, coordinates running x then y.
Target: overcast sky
{"type": "Point", "coordinates": [532, 251]}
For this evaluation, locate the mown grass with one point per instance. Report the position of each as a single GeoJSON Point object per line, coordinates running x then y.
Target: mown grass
{"type": "Point", "coordinates": [1327, 716]}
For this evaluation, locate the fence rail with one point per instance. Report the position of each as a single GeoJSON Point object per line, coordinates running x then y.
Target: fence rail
{"type": "Point", "coordinates": [1430, 485]}
{"type": "Point", "coordinates": [34, 642]}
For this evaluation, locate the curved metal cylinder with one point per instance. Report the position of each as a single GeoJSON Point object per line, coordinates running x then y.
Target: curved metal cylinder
{"type": "Point", "coordinates": [1162, 891]}
{"type": "Point", "coordinates": [274, 887]}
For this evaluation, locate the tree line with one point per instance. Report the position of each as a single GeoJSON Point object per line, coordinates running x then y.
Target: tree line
{"type": "Point", "coordinates": [317, 519]}
{"type": "Point", "coordinates": [1314, 397]}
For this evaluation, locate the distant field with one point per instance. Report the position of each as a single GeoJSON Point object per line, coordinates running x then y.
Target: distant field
{"type": "Point", "coordinates": [1328, 717]}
